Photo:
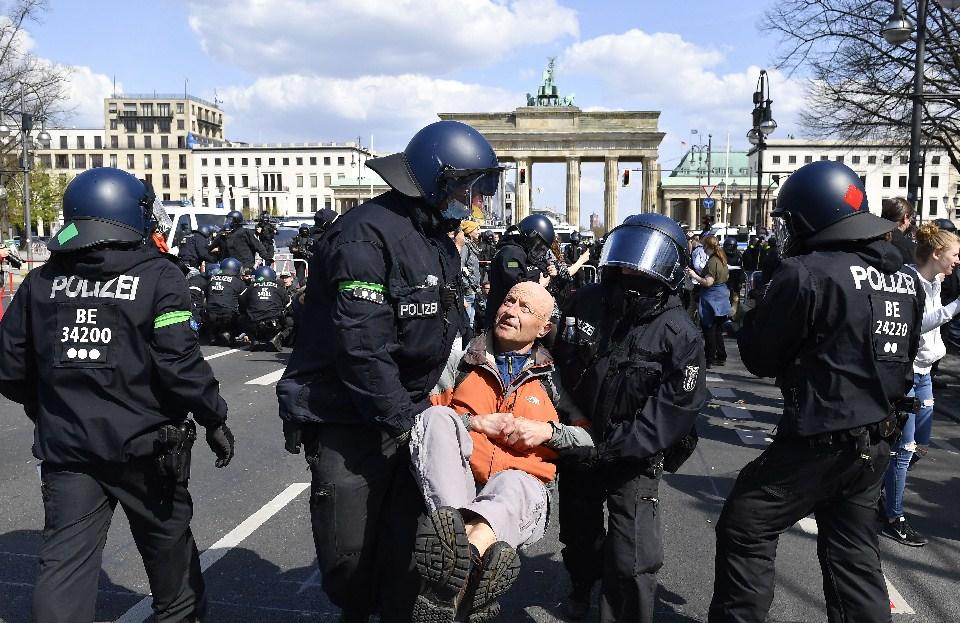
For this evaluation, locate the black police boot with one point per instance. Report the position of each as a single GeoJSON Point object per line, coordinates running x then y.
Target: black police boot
{"type": "Point", "coordinates": [442, 554]}
{"type": "Point", "coordinates": [577, 604]}
{"type": "Point", "coordinates": [902, 532]}
{"type": "Point", "coordinates": [494, 576]}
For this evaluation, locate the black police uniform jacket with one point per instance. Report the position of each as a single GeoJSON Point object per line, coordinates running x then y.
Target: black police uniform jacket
{"type": "Point", "coordinates": [510, 266]}
{"type": "Point", "coordinates": [301, 247]}
{"type": "Point", "coordinates": [242, 243]}
{"type": "Point", "coordinates": [639, 377]}
{"type": "Point", "coordinates": [382, 320]}
{"type": "Point", "coordinates": [97, 346]}
{"type": "Point", "coordinates": [264, 300]}
{"type": "Point", "coordinates": [839, 330]}
{"type": "Point", "coordinates": [197, 283]}
{"type": "Point", "coordinates": [223, 293]}
{"type": "Point", "coordinates": [195, 248]}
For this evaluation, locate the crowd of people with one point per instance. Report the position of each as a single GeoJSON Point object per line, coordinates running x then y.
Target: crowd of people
{"type": "Point", "coordinates": [451, 388]}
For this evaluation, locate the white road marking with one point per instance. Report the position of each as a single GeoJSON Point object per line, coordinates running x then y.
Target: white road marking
{"type": "Point", "coordinates": [267, 379]}
{"type": "Point", "coordinates": [746, 406]}
{"type": "Point", "coordinates": [898, 605]}
{"type": "Point", "coordinates": [714, 379]}
{"type": "Point", "coordinates": [754, 437]}
{"type": "Point", "coordinates": [222, 354]}
{"type": "Point", "coordinates": [143, 610]}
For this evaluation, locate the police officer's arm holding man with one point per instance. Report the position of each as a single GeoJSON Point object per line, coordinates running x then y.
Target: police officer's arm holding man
{"type": "Point", "coordinates": [838, 327]}
{"type": "Point", "coordinates": [385, 309]}
{"type": "Point", "coordinates": [97, 346]}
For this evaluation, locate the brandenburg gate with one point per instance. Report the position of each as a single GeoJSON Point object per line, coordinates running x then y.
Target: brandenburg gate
{"type": "Point", "coordinates": [553, 129]}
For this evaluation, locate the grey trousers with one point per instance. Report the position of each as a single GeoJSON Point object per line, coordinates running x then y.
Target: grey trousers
{"type": "Point", "coordinates": [513, 502]}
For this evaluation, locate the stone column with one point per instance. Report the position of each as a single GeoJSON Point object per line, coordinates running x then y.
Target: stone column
{"type": "Point", "coordinates": [650, 182]}
{"type": "Point", "coordinates": [573, 191]}
{"type": "Point", "coordinates": [692, 219]}
{"type": "Point", "coordinates": [521, 201]}
{"type": "Point", "coordinates": [610, 175]}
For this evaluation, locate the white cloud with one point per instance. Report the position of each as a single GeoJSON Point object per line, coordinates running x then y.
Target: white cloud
{"type": "Point", "coordinates": [302, 108]}
{"type": "Point", "coordinates": [366, 37]}
{"type": "Point", "coordinates": [85, 92]}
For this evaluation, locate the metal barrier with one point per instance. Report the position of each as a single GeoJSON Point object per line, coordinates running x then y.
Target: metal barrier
{"type": "Point", "coordinates": [753, 282]}
{"type": "Point", "coordinates": [285, 262]}
{"type": "Point", "coordinates": [590, 274]}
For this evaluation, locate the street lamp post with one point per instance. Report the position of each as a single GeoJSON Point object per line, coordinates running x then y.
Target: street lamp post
{"type": "Point", "coordinates": [259, 184]}
{"type": "Point", "coordinates": [43, 140]}
{"type": "Point", "coordinates": [763, 125]}
{"type": "Point", "coordinates": [700, 149]}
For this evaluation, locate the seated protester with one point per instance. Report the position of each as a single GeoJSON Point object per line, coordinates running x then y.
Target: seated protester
{"type": "Point", "coordinates": [197, 283]}
{"type": "Point", "coordinates": [263, 311]}
{"type": "Point", "coordinates": [223, 302]}
{"type": "Point", "coordinates": [483, 462]}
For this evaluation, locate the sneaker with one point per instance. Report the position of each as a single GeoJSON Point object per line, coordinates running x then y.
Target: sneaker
{"type": "Point", "coordinates": [901, 532]}
{"type": "Point", "coordinates": [442, 554]}
{"type": "Point", "coordinates": [492, 578]}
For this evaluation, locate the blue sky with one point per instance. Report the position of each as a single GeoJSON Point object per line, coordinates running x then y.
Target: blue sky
{"type": "Point", "coordinates": [321, 70]}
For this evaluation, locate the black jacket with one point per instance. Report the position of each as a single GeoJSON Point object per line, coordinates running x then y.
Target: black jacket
{"type": "Point", "coordinates": [384, 309]}
{"type": "Point", "coordinates": [97, 346]}
{"type": "Point", "coordinates": [197, 283]}
{"type": "Point", "coordinates": [241, 244]}
{"type": "Point", "coordinates": [264, 300]}
{"type": "Point", "coordinates": [907, 247]}
{"type": "Point", "coordinates": [640, 379]}
{"type": "Point", "coordinates": [301, 247]}
{"type": "Point", "coordinates": [223, 293]}
{"type": "Point", "coordinates": [839, 330]}
{"type": "Point", "coordinates": [195, 248]}
{"type": "Point", "coordinates": [511, 265]}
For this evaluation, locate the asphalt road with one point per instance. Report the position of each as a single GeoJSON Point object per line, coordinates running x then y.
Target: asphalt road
{"type": "Point", "coordinates": [251, 519]}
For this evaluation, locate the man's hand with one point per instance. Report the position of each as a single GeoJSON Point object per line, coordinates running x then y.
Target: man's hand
{"type": "Point", "coordinates": [296, 434]}
{"type": "Point", "coordinates": [528, 434]}
{"type": "Point", "coordinates": [493, 425]}
{"type": "Point", "coordinates": [220, 440]}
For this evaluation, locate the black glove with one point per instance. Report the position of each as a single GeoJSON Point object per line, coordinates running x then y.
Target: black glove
{"type": "Point", "coordinates": [220, 440]}
{"type": "Point", "coordinates": [296, 434]}
{"type": "Point", "coordinates": [584, 456]}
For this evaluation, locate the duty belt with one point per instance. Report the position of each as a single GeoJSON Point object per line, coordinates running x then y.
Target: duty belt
{"type": "Point", "coordinates": [887, 428]}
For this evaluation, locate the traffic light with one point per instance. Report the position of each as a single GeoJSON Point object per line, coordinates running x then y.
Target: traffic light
{"type": "Point", "coordinates": [626, 177]}
{"type": "Point", "coordinates": [523, 176]}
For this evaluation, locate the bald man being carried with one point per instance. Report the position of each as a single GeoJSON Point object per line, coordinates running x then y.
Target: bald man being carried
{"type": "Point", "coordinates": [484, 457]}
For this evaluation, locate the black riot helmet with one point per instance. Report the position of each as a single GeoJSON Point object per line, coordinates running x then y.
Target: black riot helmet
{"type": "Point", "coordinates": [304, 230]}
{"type": "Point", "coordinates": [230, 266]}
{"type": "Point", "coordinates": [324, 218]}
{"type": "Point", "coordinates": [210, 269]}
{"type": "Point", "coordinates": [487, 236]}
{"type": "Point", "coordinates": [575, 237]}
{"type": "Point", "coordinates": [821, 203]}
{"type": "Point", "coordinates": [264, 273]}
{"type": "Point", "coordinates": [652, 244]}
{"type": "Point", "coordinates": [233, 220]}
{"type": "Point", "coordinates": [446, 164]}
{"type": "Point", "coordinates": [536, 234]}
{"type": "Point", "coordinates": [945, 224]}
{"type": "Point", "coordinates": [729, 245]}
{"type": "Point", "coordinates": [103, 205]}
{"type": "Point", "coordinates": [206, 230]}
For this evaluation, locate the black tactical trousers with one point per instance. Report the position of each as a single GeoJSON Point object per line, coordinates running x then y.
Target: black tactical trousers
{"type": "Point", "coordinates": [364, 507]}
{"type": "Point", "coordinates": [633, 550]}
{"type": "Point", "coordinates": [78, 505]}
{"type": "Point", "coordinates": [783, 485]}
{"type": "Point", "coordinates": [582, 528]}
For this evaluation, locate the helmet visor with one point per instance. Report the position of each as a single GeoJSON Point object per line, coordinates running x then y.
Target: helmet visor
{"type": "Point", "coordinates": [464, 188]}
{"type": "Point", "coordinates": [646, 250]}
{"type": "Point", "coordinates": [781, 232]}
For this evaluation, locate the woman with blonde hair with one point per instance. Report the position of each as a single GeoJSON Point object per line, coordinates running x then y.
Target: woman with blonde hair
{"type": "Point", "coordinates": [938, 254]}
{"type": "Point", "coordinates": [714, 304]}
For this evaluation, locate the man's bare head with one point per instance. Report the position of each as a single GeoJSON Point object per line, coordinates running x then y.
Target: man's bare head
{"type": "Point", "coordinates": [523, 317]}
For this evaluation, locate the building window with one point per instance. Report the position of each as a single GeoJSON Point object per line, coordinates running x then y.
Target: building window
{"type": "Point", "coordinates": [341, 160]}
{"type": "Point", "coordinates": [147, 161]}
{"type": "Point", "coordinates": [182, 161]}
{"type": "Point", "coordinates": [776, 160]}
{"type": "Point", "coordinates": [935, 160]}
{"type": "Point", "coordinates": [244, 181]}
{"type": "Point", "coordinates": [166, 180]}
{"type": "Point", "coordinates": [286, 161]}
{"type": "Point", "coordinates": [229, 162]}
{"type": "Point", "coordinates": [180, 108]}
{"type": "Point", "coordinates": [79, 161]}
{"type": "Point", "coordinates": [147, 109]}
{"type": "Point", "coordinates": [165, 161]}
{"type": "Point", "coordinates": [219, 181]}
{"type": "Point", "coordinates": [299, 181]}
{"type": "Point", "coordinates": [855, 160]}
{"type": "Point", "coordinates": [163, 110]}
{"type": "Point", "coordinates": [934, 181]}
{"type": "Point", "coordinates": [272, 162]}
{"type": "Point", "coordinates": [96, 161]}
{"type": "Point", "coordinates": [113, 160]}
{"type": "Point", "coordinates": [904, 160]}
{"type": "Point", "coordinates": [244, 162]}
{"type": "Point", "coordinates": [299, 162]}
{"type": "Point", "coordinates": [183, 180]}
{"type": "Point", "coordinates": [888, 160]}
{"type": "Point", "coordinates": [216, 162]}
{"type": "Point", "coordinates": [181, 142]}
{"type": "Point", "coordinates": [80, 142]}
{"type": "Point", "coordinates": [886, 181]}
{"type": "Point", "coordinates": [313, 181]}
{"type": "Point", "coordinates": [313, 160]}
{"type": "Point", "coordinates": [871, 160]}
{"type": "Point", "coordinates": [791, 159]}
{"type": "Point", "coordinates": [148, 142]}
{"type": "Point", "coordinates": [902, 181]}
{"type": "Point", "coordinates": [63, 142]}
{"type": "Point", "coordinates": [112, 107]}
{"type": "Point", "coordinates": [256, 161]}
{"type": "Point", "coordinates": [933, 207]}
{"type": "Point", "coordinates": [62, 161]}
{"type": "Point", "coordinates": [164, 142]}
{"type": "Point", "coordinates": [166, 196]}
{"type": "Point", "coordinates": [203, 162]}
{"type": "Point", "coordinates": [148, 178]}
{"type": "Point", "coordinates": [299, 204]}
{"type": "Point", "coordinates": [839, 158]}
{"type": "Point", "coordinates": [327, 202]}
{"type": "Point", "coordinates": [163, 126]}
{"type": "Point", "coordinates": [204, 181]}
{"type": "Point", "coordinates": [863, 180]}
{"type": "Point", "coordinates": [113, 124]}
{"type": "Point", "coordinates": [313, 204]}
{"type": "Point", "coordinates": [45, 160]}
{"type": "Point", "coordinates": [130, 125]}
{"type": "Point", "coordinates": [807, 159]}
{"type": "Point", "coordinates": [204, 203]}
{"type": "Point", "coordinates": [148, 125]}
{"type": "Point", "coordinates": [131, 162]}
{"type": "Point", "coordinates": [341, 176]}
{"type": "Point", "coordinates": [326, 160]}
{"type": "Point", "coordinates": [180, 125]}
{"type": "Point", "coordinates": [131, 142]}
{"type": "Point", "coordinates": [327, 180]}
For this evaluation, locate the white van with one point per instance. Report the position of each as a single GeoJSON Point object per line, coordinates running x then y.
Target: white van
{"type": "Point", "coordinates": [193, 218]}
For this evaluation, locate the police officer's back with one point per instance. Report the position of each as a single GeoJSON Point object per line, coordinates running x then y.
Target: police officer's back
{"type": "Point", "coordinates": [521, 256]}
{"type": "Point", "coordinates": [194, 248]}
{"type": "Point", "coordinates": [238, 242]}
{"type": "Point", "coordinates": [838, 327]}
{"type": "Point", "coordinates": [97, 346]}
{"type": "Point", "coordinates": [263, 307]}
{"type": "Point", "coordinates": [223, 300]}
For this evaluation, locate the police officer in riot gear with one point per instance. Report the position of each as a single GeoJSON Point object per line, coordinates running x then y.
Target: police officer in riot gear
{"type": "Point", "coordinates": [838, 327]}
{"type": "Point", "coordinates": [266, 231]}
{"type": "Point", "coordinates": [97, 346]}
{"type": "Point", "coordinates": [385, 310]}
{"type": "Point", "coordinates": [522, 256]}
{"type": "Point", "coordinates": [195, 247]}
{"type": "Point", "coordinates": [263, 311]}
{"type": "Point", "coordinates": [197, 282]}
{"type": "Point", "coordinates": [488, 249]}
{"type": "Point", "coordinates": [634, 362]}
{"type": "Point", "coordinates": [737, 275]}
{"type": "Point", "coordinates": [302, 249]}
{"type": "Point", "coordinates": [235, 241]}
{"type": "Point", "coordinates": [223, 302]}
